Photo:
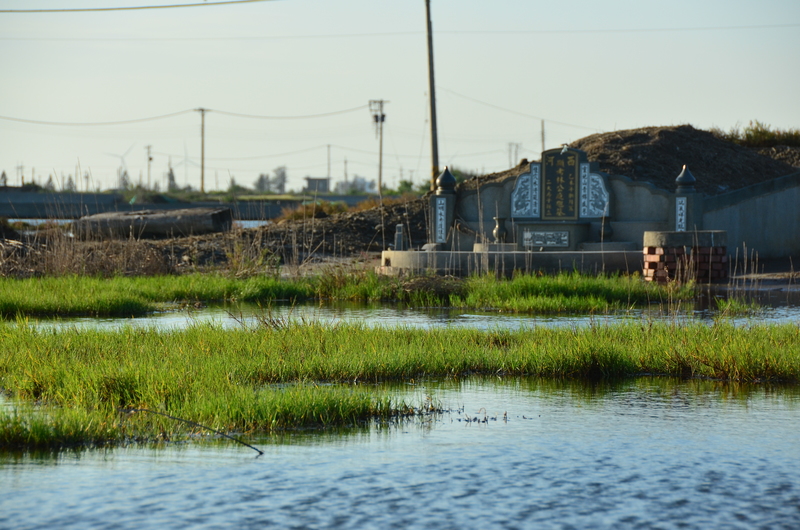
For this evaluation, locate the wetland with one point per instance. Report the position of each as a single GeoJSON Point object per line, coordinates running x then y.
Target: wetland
{"type": "Point", "coordinates": [455, 403]}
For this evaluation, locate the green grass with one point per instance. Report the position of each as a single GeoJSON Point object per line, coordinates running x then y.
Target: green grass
{"type": "Point", "coordinates": [565, 292]}
{"type": "Point", "coordinates": [264, 379]}
{"type": "Point", "coordinates": [757, 134]}
{"type": "Point", "coordinates": [131, 296]}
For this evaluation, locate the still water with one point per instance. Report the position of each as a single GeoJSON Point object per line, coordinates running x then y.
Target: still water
{"type": "Point", "coordinates": [388, 316]}
{"type": "Point", "coordinates": [646, 453]}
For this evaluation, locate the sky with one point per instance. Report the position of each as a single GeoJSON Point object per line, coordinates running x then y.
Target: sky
{"type": "Point", "coordinates": [502, 68]}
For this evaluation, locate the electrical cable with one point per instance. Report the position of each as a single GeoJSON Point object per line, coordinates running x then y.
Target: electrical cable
{"type": "Point", "coordinates": [128, 8]}
{"type": "Point", "coordinates": [621, 30]}
{"type": "Point", "coordinates": [233, 159]}
{"type": "Point", "coordinates": [517, 112]}
{"type": "Point", "coordinates": [394, 33]}
{"type": "Point", "coordinates": [123, 122]}
{"type": "Point", "coordinates": [322, 115]}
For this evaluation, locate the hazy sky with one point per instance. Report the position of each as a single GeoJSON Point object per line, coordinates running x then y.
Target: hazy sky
{"type": "Point", "coordinates": [501, 66]}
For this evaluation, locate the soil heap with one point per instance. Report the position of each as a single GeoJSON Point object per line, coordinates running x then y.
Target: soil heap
{"type": "Point", "coordinates": [657, 155]}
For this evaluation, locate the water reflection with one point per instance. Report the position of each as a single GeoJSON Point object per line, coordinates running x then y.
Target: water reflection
{"type": "Point", "coordinates": [236, 315]}
{"type": "Point", "coordinates": [648, 452]}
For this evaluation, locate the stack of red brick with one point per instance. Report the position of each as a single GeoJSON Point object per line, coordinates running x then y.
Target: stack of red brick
{"type": "Point", "coordinates": [703, 264]}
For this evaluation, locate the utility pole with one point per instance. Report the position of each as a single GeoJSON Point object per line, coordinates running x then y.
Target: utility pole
{"type": "Point", "coordinates": [542, 136]}
{"type": "Point", "coordinates": [432, 95]}
{"type": "Point", "coordinates": [513, 152]}
{"type": "Point", "coordinates": [149, 160]}
{"type": "Point", "coordinates": [329, 162]}
{"type": "Point", "coordinates": [202, 112]}
{"type": "Point", "coordinates": [376, 108]}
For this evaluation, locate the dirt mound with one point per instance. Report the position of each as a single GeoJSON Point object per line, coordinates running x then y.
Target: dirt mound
{"type": "Point", "coordinates": [784, 153]}
{"type": "Point", "coordinates": [657, 154]}
{"type": "Point", "coordinates": [347, 234]}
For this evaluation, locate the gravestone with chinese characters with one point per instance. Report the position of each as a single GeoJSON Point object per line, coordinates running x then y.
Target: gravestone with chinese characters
{"type": "Point", "coordinates": [554, 204]}
{"type": "Point", "coordinates": [561, 203]}
{"type": "Point", "coordinates": [442, 205]}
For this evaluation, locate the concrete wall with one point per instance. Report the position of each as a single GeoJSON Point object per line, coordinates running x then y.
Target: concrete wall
{"type": "Point", "coordinates": [475, 212]}
{"type": "Point", "coordinates": [764, 218]}
{"type": "Point", "coordinates": [466, 263]}
{"type": "Point", "coordinates": [638, 207]}
{"type": "Point", "coordinates": [30, 205]}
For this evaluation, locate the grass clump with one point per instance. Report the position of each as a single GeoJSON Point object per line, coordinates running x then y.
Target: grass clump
{"type": "Point", "coordinates": [131, 296]}
{"type": "Point", "coordinates": [57, 429]}
{"type": "Point", "coordinates": [565, 293]}
{"type": "Point", "coordinates": [757, 134]}
{"type": "Point", "coordinates": [264, 379]}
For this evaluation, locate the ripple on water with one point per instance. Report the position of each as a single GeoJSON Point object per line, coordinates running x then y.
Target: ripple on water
{"type": "Point", "coordinates": [389, 316]}
{"type": "Point", "coordinates": [638, 454]}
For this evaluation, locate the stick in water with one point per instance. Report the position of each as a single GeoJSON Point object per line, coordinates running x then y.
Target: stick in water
{"type": "Point", "coordinates": [259, 451]}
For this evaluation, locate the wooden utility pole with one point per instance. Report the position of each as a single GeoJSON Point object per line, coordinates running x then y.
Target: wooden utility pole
{"type": "Point", "coordinates": [202, 112]}
{"type": "Point", "coordinates": [376, 107]}
{"type": "Point", "coordinates": [149, 161]}
{"type": "Point", "coordinates": [432, 95]}
{"type": "Point", "coordinates": [542, 136]}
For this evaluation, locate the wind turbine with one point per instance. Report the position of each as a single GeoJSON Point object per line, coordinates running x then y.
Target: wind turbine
{"type": "Point", "coordinates": [123, 180]}
{"type": "Point", "coordinates": [186, 162]}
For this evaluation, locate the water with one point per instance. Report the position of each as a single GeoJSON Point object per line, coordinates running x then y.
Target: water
{"type": "Point", "coordinates": [645, 453]}
{"type": "Point", "coordinates": [648, 453]}
{"type": "Point", "coordinates": [388, 316]}
{"type": "Point", "coordinates": [241, 223]}
{"type": "Point", "coordinates": [37, 222]}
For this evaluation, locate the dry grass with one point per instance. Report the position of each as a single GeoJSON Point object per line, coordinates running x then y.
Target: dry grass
{"type": "Point", "coordinates": [56, 253]}
{"type": "Point", "coordinates": [316, 210]}
{"type": "Point", "coordinates": [757, 134]}
{"type": "Point", "coordinates": [374, 202]}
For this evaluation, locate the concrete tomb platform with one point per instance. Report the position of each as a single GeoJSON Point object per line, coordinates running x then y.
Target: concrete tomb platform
{"type": "Point", "coordinates": [410, 262]}
{"type": "Point", "coordinates": [696, 238]}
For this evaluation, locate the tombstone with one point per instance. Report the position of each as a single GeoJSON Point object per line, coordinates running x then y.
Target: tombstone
{"type": "Point", "coordinates": [443, 205]}
{"type": "Point", "coordinates": [399, 242]}
{"type": "Point", "coordinates": [555, 204]}
{"type": "Point", "coordinates": [688, 203]}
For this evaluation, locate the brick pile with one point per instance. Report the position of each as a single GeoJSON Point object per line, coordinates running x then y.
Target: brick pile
{"type": "Point", "coordinates": [703, 264]}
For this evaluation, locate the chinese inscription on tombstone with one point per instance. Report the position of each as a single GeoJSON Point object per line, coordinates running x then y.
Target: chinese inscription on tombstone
{"type": "Point", "coordinates": [680, 214]}
{"type": "Point", "coordinates": [441, 220]}
{"type": "Point", "coordinates": [560, 179]}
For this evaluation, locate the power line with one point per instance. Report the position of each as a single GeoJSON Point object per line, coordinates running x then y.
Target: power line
{"type": "Point", "coordinates": [322, 115]}
{"type": "Point", "coordinates": [233, 159]}
{"type": "Point", "coordinates": [391, 33]}
{"type": "Point", "coordinates": [618, 30]}
{"type": "Point", "coordinates": [517, 112]}
{"type": "Point", "coordinates": [129, 8]}
{"type": "Point", "coordinates": [238, 38]}
{"type": "Point", "coordinates": [125, 122]}
{"type": "Point", "coordinates": [86, 124]}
